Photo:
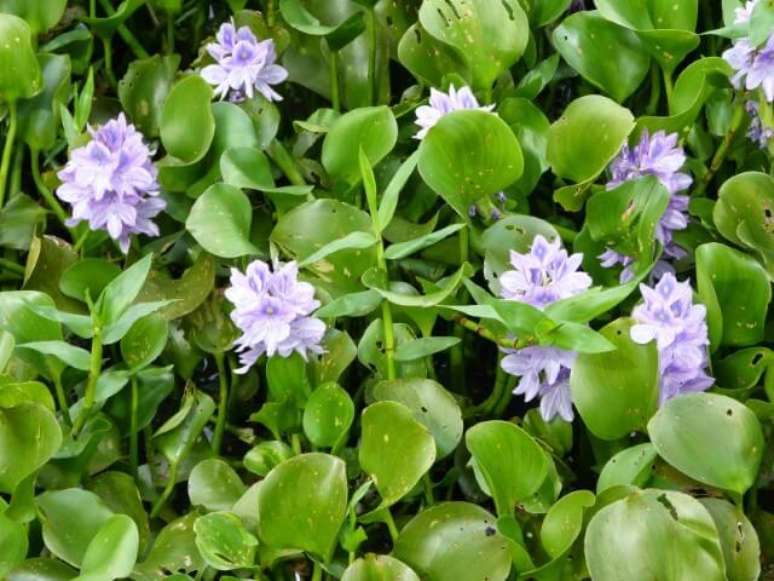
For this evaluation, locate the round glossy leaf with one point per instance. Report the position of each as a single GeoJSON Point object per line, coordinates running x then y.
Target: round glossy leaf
{"type": "Point", "coordinates": [429, 59]}
{"type": "Point", "coordinates": [214, 485]}
{"type": "Point", "coordinates": [711, 438]}
{"type": "Point", "coordinates": [378, 568]}
{"type": "Point", "coordinates": [736, 290]}
{"type": "Point", "coordinates": [629, 467]}
{"type": "Point", "coordinates": [41, 569]}
{"type": "Point", "coordinates": [246, 167]}
{"type": "Point", "coordinates": [262, 458]}
{"type": "Point", "coordinates": [145, 341]}
{"type": "Point", "coordinates": [29, 437]}
{"type": "Point", "coordinates": [372, 129]}
{"type": "Point", "coordinates": [587, 136]}
{"type": "Point", "coordinates": [564, 522]}
{"type": "Point", "coordinates": [224, 542]}
{"type": "Point", "coordinates": [452, 541]}
{"type": "Point", "coordinates": [39, 116]}
{"type": "Point", "coordinates": [20, 76]}
{"type": "Point", "coordinates": [302, 504]}
{"type": "Point", "coordinates": [510, 461]}
{"type": "Point", "coordinates": [112, 552]}
{"type": "Point", "coordinates": [653, 534]}
{"type": "Point", "coordinates": [744, 212]}
{"type": "Point", "coordinates": [468, 155]}
{"type": "Point", "coordinates": [741, 548]}
{"type": "Point", "coordinates": [395, 450]}
{"type": "Point", "coordinates": [41, 15]}
{"type": "Point", "coordinates": [220, 221]}
{"type": "Point", "coordinates": [87, 277]}
{"type": "Point", "coordinates": [607, 55]}
{"type": "Point", "coordinates": [431, 404]}
{"type": "Point", "coordinates": [144, 89]}
{"type": "Point", "coordinates": [531, 127]}
{"type": "Point", "coordinates": [307, 228]}
{"type": "Point", "coordinates": [328, 415]}
{"type": "Point", "coordinates": [174, 550]}
{"type": "Point", "coordinates": [187, 124]}
{"type": "Point", "coordinates": [119, 492]}
{"type": "Point", "coordinates": [616, 392]}
{"type": "Point", "coordinates": [71, 518]}
{"type": "Point", "coordinates": [491, 35]}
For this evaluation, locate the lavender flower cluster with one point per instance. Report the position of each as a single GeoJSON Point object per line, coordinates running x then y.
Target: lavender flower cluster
{"type": "Point", "coordinates": [668, 316]}
{"type": "Point", "coordinates": [441, 104]}
{"type": "Point", "coordinates": [658, 155]}
{"type": "Point", "coordinates": [111, 183]}
{"type": "Point", "coordinates": [754, 65]}
{"type": "Point", "coordinates": [540, 277]}
{"type": "Point", "coordinates": [272, 308]}
{"type": "Point", "coordinates": [758, 133]}
{"type": "Point", "coordinates": [243, 65]}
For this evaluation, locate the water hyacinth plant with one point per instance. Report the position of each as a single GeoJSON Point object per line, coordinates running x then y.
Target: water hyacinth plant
{"type": "Point", "coordinates": [444, 290]}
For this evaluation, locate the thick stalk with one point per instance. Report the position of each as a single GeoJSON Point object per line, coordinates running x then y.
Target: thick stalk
{"type": "Point", "coordinates": [373, 90]}
{"type": "Point", "coordinates": [457, 354]}
{"type": "Point", "coordinates": [95, 368]}
{"type": "Point", "coordinates": [655, 90]}
{"type": "Point", "coordinates": [126, 34]}
{"type": "Point", "coordinates": [333, 69]}
{"type": "Point", "coordinates": [286, 162]}
{"type": "Point", "coordinates": [134, 455]}
{"type": "Point", "coordinates": [668, 88]}
{"type": "Point", "coordinates": [170, 486]}
{"type": "Point", "coordinates": [44, 192]}
{"type": "Point", "coordinates": [170, 34]}
{"type": "Point", "coordinates": [11, 266]}
{"type": "Point", "coordinates": [61, 398]}
{"type": "Point", "coordinates": [108, 50]}
{"type": "Point", "coordinates": [17, 169]}
{"type": "Point", "coordinates": [7, 149]}
{"type": "Point", "coordinates": [722, 151]}
{"type": "Point", "coordinates": [317, 572]}
{"type": "Point", "coordinates": [220, 422]}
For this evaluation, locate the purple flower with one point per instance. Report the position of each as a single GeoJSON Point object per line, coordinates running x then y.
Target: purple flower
{"type": "Point", "coordinates": [577, 6]}
{"type": "Point", "coordinates": [244, 65]}
{"type": "Point", "coordinates": [442, 104]}
{"type": "Point", "coordinates": [272, 310]}
{"type": "Point", "coordinates": [544, 275]}
{"type": "Point", "coordinates": [679, 328]}
{"type": "Point", "coordinates": [758, 133]}
{"type": "Point", "coordinates": [658, 156]}
{"type": "Point", "coordinates": [111, 183]}
{"type": "Point", "coordinates": [754, 66]}
{"type": "Point", "coordinates": [743, 13]}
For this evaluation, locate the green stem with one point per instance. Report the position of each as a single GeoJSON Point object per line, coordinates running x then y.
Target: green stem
{"type": "Point", "coordinates": [334, 80]}
{"type": "Point", "coordinates": [108, 49]}
{"type": "Point", "coordinates": [61, 398]}
{"type": "Point", "coordinates": [16, 172]}
{"type": "Point", "coordinates": [220, 422]}
{"type": "Point", "coordinates": [655, 90]}
{"type": "Point", "coordinates": [170, 486]}
{"type": "Point", "coordinates": [486, 407]}
{"type": "Point", "coordinates": [95, 368]}
{"type": "Point", "coordinates": [286, 162]}
{"type": "Point", "coordinates": [373, 90]}
{"type": "Point", "coordinates": [507, 394]}
{"type": "Point", "coordinates": [720, 155]}
{"type": "Point", "coordinates": [428, 488]}
{"type": "Point", "coordinates": [11, 266]}
{"type": "Point", "coordinates": [92, 8]}
{"type": "Point", "coordinates": [147, 433]}
{"type": "Point", "coordinates": [126, 34]}
{"type": "Point", "coordinates": [44, 192]}
{"type": "Point", "coordinates": [7, 149]}
{"type": "Point", "coordinates": [481, 331]}
{"type": "Point", "coordinates": [295, 444]}
{"type": "Point", "coordinates": [389, 339]}
{"type": "Point", "coordinates": [388, 520]}
{"type": "Point", "coordinates": [668, 88]}
{"type": "Point", "coordinates": [170, 34]}
{"type": "Point", "coordinates": [134, 456]}
{"type": "Point", "coordinates": [457, 353]}
{"type": "Point", "coordinates": [317, 572]}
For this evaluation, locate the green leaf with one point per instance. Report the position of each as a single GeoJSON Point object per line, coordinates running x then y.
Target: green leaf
{"type": "Point", "coordinates": [224, 542]}
{"type": "Point", "coordinates": [262, 458]}
{"type": "Point", "coordinates": [145, 88]}
{"type": "Point", "coordinates": [468, 155]}
{"type": "Point", "coordinates": [41, 15]}
{"type": "Point", "coordinates": [395, 449]}
{"type": "Point", "coordinates": [587, 136]}
{"type": "Point", "coordinates": [511, 462]}
{"type": "Point", "coordinates": [711, 438]}
{"type": "Point", "coordinates": [71, 518]}
{"type": "Point", "coordinates": [429, 59]}
{"type": "Point", "coordinates": [424, 347]}
{"type": "Point", "coordinates": [564, 522]}
{"type": "Point", "coordinates": [653, 534]}
{"type": "Point", "coordinates": [122, 290]}
{"type": "Point", "coordinates": [214, 485]}
{"type": "Point", "coordinates": [404, 249]}
{"type": "Point", "coordinates": [616, 392]}
{"type": "Point", "coordinates": [20, 75]}
{"type": "Point", "coordinates": [340, 352]}
{"type": "Point", "coordinates": [49, 257]}
{"type": "Point", "coordinates": [372, 129]}
{"type": "Point", "coordinates": [338, 36]}
{"type": "Point", "coordinates": [607, 55]}
{"type": "Point", "coordinates": [174, 550]}
{"type": "Point", "coordinates": [531, 127]}
{"type": "Point", "coordinates": [112, 552]}
{"type": "Point", "coordinates": [115, 331]}
{"type": "Point", "coordinates": [630, 467]}
{"type": "Point", "coordinates": [328, 415]}
{"type": "Point", "coordinates": [69, 354]}
{"type": "Point", "coordinates": [744, 211]}
{"type": "Point", "coordinates": [392, 192]}
{"type": "Point", "coordinates": [452, 541]}
{"type": "Point", "coordinates": [305, 493]}
{"type": "Point", "coordinates": [105, 27]}
{"type": "Point", "coordinates": [187, 124]}
{"type": "Point", "coordinates": [352, 241]}
{"type": "Point", "coordinates": [431, 404]}
{"type": "Point", "coordinates": [119, 492]}
{"type": "Point", "coordinates": [220, 221]}
{"type": "Point", "coordinates": [176, 437]}
{"type": "Point", "coordinates": [144, 341]}
{"type": "Point", "coordinates": [737, 292]}
{"type": "Point", "coordinates": [39, 116]}
{"type": "Point", "coordinates": [87, 277]}
{"type": "Point", "coordinates": [186, 293]}
{"type": "Point", "coordinates": [373, 279]}
{"type": "Point", "coordinates": [42, 569]}
{"type": "Point", "coordinates": [351, 305]}
{"type": "Point", "coordinates": [13, 542]}
{"type": "Point", "coordinates": [490, 35]}
{"type": "Point", "coordinates": [29, 437]}
{"type": "Point", "coordinates": [378, 568]}
{"type": "Point", "coordinates": [741, 548]}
